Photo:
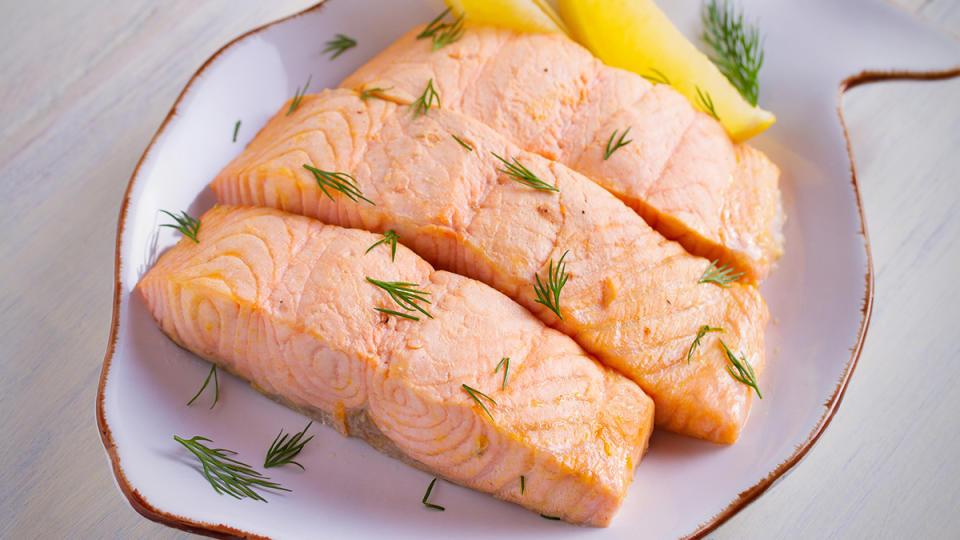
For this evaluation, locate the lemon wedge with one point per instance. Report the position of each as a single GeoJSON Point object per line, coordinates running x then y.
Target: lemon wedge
{"type": "Point", "coordinates": [520, 15]}
{"type": "Point", "coordinates": [635, 35]}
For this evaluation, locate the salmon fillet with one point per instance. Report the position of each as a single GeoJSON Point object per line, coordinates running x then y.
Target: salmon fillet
{"type": "Point", "coordinates": [283, 301]}
{"type": "Point", "coordinates": [633, 299]}
{"type": "Point", "coordinates": [681, 171]}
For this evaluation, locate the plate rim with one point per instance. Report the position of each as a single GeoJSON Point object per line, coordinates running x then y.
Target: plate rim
{"type": "Point", "coordinates": [744, 498]}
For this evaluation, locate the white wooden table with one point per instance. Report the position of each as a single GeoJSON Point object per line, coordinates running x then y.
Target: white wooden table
{"type": "Point", "coordinates": [83, 86]}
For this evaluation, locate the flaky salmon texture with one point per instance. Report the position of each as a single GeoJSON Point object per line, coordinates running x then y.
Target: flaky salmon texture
{"type": "Point", "coordinates": [549, 95]}
{"type": "Point", "coordinates": [633, 299]}
{"type": "Point", "coordinates": [283, 301]}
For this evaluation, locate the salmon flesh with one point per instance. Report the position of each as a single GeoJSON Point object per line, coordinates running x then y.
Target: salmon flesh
{"type": "Point", "coordinates": [633, 298]}
{"type": "Point", "coordinates": [283, 301]}
{"type": "Point", "coordinates": [680, 170]}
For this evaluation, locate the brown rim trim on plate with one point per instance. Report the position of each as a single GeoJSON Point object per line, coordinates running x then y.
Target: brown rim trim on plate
{"type": "Point", "coordinates": [145, 509]}
{"type": "Point", "coordinates": [220, 530]}
{"type": "Point", "coordinates": [748, 496]}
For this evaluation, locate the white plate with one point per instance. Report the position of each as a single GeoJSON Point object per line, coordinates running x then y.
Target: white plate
{"type": "Point", "coordinates": [819, 297]}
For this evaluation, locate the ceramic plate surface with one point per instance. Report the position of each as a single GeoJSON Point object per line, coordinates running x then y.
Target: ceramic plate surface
{"type": "Point", "coordinates": [819, 297]}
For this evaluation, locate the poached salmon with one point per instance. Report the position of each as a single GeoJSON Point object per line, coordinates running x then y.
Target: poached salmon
{"type": "Point", "coordinates": [284, 302]}
{"type": "Point", "coordinates": [680, 170]}
{"type": "Point", "coordinates": [633, 299]}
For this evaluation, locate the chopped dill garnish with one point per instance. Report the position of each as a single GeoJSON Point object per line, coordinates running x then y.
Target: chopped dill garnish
{"type": "Point", "coordinates": [340, 44]}
{"type": "Point", "coordinates": [700, 333]}
{"type": "Point", "coordinates": [505, 362]}
{"type": "Point", "coordinates": [189, 226]}
{"type": "Point", "coordinates": [298, 96]}
{"type": "Point", "coordinates": [426, 100]}
{"type": "Point", "coordinates": [463, 144]}
{"type": "Point", "coordinates": [236, 128]}
{"type": "Point", "coordinates": [283, 450]}
{"type": "Point", "coordinates": [740, 369]}
{"type": "Point", "coordinates": [443, 33]}
{"type": "Point", "coordinates": [225, 474]}
{"type": "Point", "coordinates": [705, 102]}
{"type": "Point", "coordinates": [342, 182]}
{"type": "Point", "coordinates": [434, 26]}
{"type": "Point", "coordinates": [427, 496]}
{"type": "Point", "coordinates": [373, 92]}
{"type": "Point", "coordinates": [405, 295]}
{"type": "Point", "coordinates": [656, 76]}
{"type": "Point", "coordinates": [616, 146]}
{"type": "Point", "coordinates": [449, 34]}
{"type": "Point", "coordinates": [548, 291]}
{"type": "Point", "coordinates": [397, 313]}
{"type": "Point", "coordinates": [476, 395]}
{"type": "Point", "coordinates": [390, 236]}
{"type": "Point", "coordinates": [521, 174]}
{"type": "Point", "coordinates": [216, 387]}
{"type": "Point", "coordinates": [719, 275]}
{"type": "Point", "coordinates": [523, 484]}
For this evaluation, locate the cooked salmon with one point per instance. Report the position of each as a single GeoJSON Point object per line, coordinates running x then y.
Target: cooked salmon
{"type": "Point", "coordinates": [680, 171]}
{"type": "Point", "coordinates": [284, 302]}
{"type": "Point", "coordinates": [633, 298]}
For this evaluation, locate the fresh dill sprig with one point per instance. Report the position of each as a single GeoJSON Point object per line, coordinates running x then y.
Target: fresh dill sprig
{"type": "Point", "coordinates": [616, 146]}
{"type": "Point", "coordinates": [216, 387]}
{"type": "Point", "coordinates": [372, 92]}
{"type": "Point", "coordinates": [225, 474]}
{"type": "Point", "coordinates": [405, 295]}
{"type": "Point", "coordinates": [656, 76]}
{"type": "Point", "coordinates": [298, 96]}
{"type": "Point", "coordinates": [340, 43]}
{"type": "Point", "coordinates": [449, 34]}
{"type": "Point", "coordinates": [705, 102]}
{"type": "Point", "coordinates": [390, 236]}
{"type": "Point", "coordinates": [189, 226]}
{"type": "Point", "coordinates": [397, 313]}
{"type": "Point", "coordinates": [505, 362]}
{"type": "Point", "coordinates": [443, 33]}
{"type": "Point", "coordinates": [434, 26]}
{"type": "Point", "coordinates": [719, 275]}
{"type": "Point", "coordinates": [551, 518]}
{"type": "Point", "coordinates": [236, 128]}
{"type": "Point", "coordinates": [548, 291]}
{"type": "Point", "coordinates": [523, 484]}
{"type": "Point", "coordinates": [427, 496]}
{"type": "Point", "coordinates": [342, 182]}
{"type": "Point", "coordinates": [426, 100]}
{"type": "Point", "coordinates": [284, 449]}
{"type": "Point", "coordinates": [737, 48]}
{"type": "Point", "coordinates": [463, 144]}
{"type": "Point", "coordinates": [740, 369]}
{"type": "Point", "coordinates": [523, 175]}
{"type": "Point", "coordinates": [700, 333]}
{"type": "Point", "coordinates": [476, 395]}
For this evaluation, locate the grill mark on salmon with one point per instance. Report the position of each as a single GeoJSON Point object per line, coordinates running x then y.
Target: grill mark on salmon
{"type": "Point", "coordinates": [633, 298]}
{"type": "Point", "coordinates": [290, 311]}
{"type": "Point", "coordinates": [552, 97]}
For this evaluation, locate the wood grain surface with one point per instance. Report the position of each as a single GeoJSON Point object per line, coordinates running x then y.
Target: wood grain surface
{"type": "Point", "coordinates": [86, 83]}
